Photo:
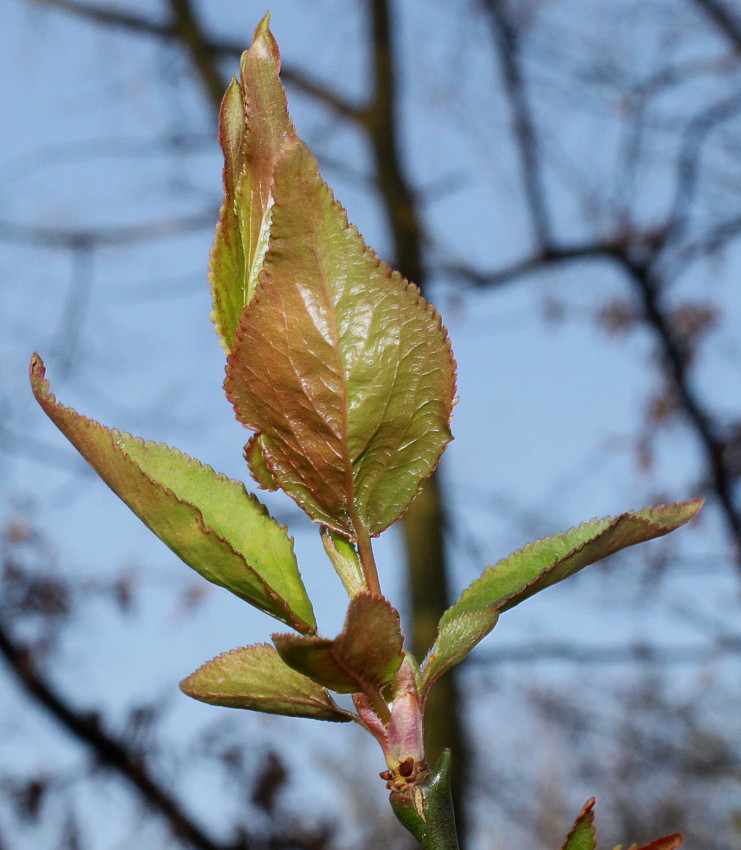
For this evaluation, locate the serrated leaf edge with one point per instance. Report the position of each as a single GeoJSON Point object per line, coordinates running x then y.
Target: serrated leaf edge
{"type": "Point", "coordinates": [344, 716]}
{"type": "Point", "coordinates": [661, 528]}
{"type": "Point", "coordinates": [586, 815]}
{"type": "Point", "coordinates": [408, 286]}
{"type": "Point", "coordinates": [38, 376]}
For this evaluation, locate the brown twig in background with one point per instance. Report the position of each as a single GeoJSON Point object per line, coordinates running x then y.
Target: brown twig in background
{"type": "Point", "coordinates": [108, 750]}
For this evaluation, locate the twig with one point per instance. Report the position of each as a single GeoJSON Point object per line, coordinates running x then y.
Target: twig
{"type": "Point", "coordinates": [525, 133]}
{"type": "Point", "coordinates": [723, 19]}
{"type": "Point", "coordinates": [110, 751]}
{"type": "Point", "coordinates": [112, 16]}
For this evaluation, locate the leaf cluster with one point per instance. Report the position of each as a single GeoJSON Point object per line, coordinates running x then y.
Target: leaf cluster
{"type": "Point", "coordinates": [345, 377]}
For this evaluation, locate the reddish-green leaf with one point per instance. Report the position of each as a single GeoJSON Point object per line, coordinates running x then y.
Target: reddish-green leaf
{"type": "Point", "coordinates": [252, 124]}
{"type": "Point", "coordinates": [537, 566]}
{"type": "Point", "coordinates": [339, 364]}
{"type": "Point", "coordinates": [207, 519]}
{"type": "Point", "coordinates": [668, 842]}
{"type": "Point", "coordinates": [256, 462]}
{"type": "Point", "coordinates": [254, 677]}
{"type": "Point", "coordinates": [582, 836]}
{"type": "Point", "coordinates": [367, 651]}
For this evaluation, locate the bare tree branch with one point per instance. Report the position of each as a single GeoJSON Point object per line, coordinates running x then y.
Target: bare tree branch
{"type": "Point", "coordinates": [112, 752]}
{"type": "Point", "coordinates": [187, 29]}
{"type": "Point", "coordinates": [82, 238]}
{"type": "Point", "coordinates": [723, 19]}
{"type": "Point", "coordinates": [689, 159]}
{"type": "Point", "coordinates": [526, 137]}
{"type": "Point", "coordinates": [533, 264]}
{"type": "Point", "coordinates": [111, 16]}
{"type": "Point", "coordinates": [642, 653]}
{"type": "Point", "coordinates": [675, 359]}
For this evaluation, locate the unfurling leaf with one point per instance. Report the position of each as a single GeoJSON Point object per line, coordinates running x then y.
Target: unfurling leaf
{"type": "Point", "coordinates": [368, 651]}
{"type": "Point", "coordinates": [339, 364]}
{"type": "Point", "coordinates": [582, 836]}
{"type": "Point", "coordinates": [252, 124]}
{"type": "Point", "coordinates": [537, 566]}
{"type": "Point", "coordinates": [207, 519]}
{"type": "Point", "coordinates": [254, 677]}
{"type": "Point", "coordinates": [344, 559]}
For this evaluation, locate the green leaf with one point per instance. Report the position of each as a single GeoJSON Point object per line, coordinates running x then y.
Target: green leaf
{"type": "Point", "coordinates": [252, 124]}
{"type": "Point", "coordinates": [582, 836]}
{"type": "Point", "coordinates": [339, 364]}
{"type": "Point", "coordinates": [537, 566]}
{"type": "Point", "coordinates": [367, 652]}
{"type": "Point", "coordinates": [207, 519]}
{"type": "Point", "coordinates": [254, 677]}
{"type": "Point", "coordinates": [345, 560]}
{"type": "Point", "coordinates": [455, 639]}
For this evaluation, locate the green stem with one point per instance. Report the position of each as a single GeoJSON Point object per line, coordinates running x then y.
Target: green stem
{"type": "Point", "coordinates": [426, 809]}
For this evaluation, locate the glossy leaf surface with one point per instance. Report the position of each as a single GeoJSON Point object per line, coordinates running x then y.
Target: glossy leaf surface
{"type": "Point", "coordinates": [582, 835]}
{"type": "Point", "coordinates": [339, 364]}
{"type": "Point", "coordinates": [252, 124]}
{"type": "Point", "coordinates": [254, 677]}
{"type": "Point", "coordinates": [367, 651]}
{"type": "Point", "coordinates": [207, 519]}
{"type": "Point", "coordinates": [537, 566]}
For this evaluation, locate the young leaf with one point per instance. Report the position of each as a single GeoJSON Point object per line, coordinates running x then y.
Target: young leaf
{"type": "Point", "coordinates": [256, 462]}
{"type": "Point", "coordinates": [367, 652]}
{"type": "Point", "coordinates": [254, 677]}
{"type": "Point", "coordinates": [252, 124]}
{"type": "Point", "coordinates": [339, 364]}
{"type": "Point", "coordinates": [455, 639]}
{"type": "Point", "coordinates": [582, 836]}
{"type": "Point", "coordinates": [344, 559]}
{"type": "Point", "coordinates": [668, 842]}
{"type": "Point", "coordinates": [537, 566]}
{"type": "Point", "coordinates": [207, 519]}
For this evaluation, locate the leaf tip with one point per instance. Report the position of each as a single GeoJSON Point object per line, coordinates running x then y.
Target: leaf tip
{"type": "Point", "coordinates": [39, 382]}
{"type": "Point", "coordinates": [263, 37]}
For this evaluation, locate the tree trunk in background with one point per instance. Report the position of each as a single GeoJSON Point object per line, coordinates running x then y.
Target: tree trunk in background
{"type": "Point", "coordinates": [423, 524]}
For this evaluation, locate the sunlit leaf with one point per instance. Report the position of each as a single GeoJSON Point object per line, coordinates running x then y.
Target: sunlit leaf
{"type": "Point", "coordinates": [456, 638]}
{"type": "Point", "coordinates": [367, 651]}
{"type": "Point", "coordinates": [252, 124]}
{"type": "Point", "coordinates": [207, 519]}
{"type": "Point", "coordinates": [537, 566]}
{"type": "Point", "coordinates": [254, 677]}
{"type": "Point", "coordinates": [582, 836]}
{"type": "Point", "coordinates": [339, 364]}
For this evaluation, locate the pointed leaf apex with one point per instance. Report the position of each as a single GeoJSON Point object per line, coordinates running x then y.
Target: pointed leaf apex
{"type": "Point", "coordinates": [37, 374]}
{"type": "Point", "coordinates": [263, 27]}
{"type": "Point", "coordinates": [582, 835]}
{"type": "Point", "coordinates": [263, 38]}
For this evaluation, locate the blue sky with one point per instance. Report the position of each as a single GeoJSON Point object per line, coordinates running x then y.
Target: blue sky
{"type": "Point", "coordinates": [106, 131]}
